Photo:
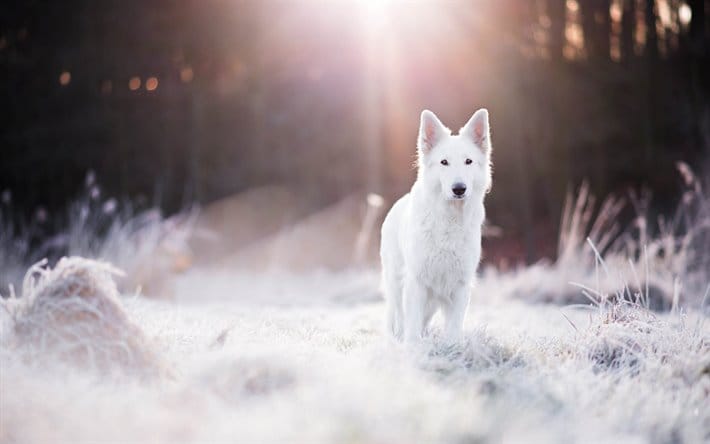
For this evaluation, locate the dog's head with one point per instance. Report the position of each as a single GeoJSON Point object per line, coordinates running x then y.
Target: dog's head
{"type": "Point", "coordinates": [459, 166]}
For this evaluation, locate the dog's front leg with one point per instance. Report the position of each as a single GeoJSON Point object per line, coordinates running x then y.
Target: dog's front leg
{"type": "Point", "coordinates": [414, 301]}
{"type": "Point", "coordinates": [455, 313]}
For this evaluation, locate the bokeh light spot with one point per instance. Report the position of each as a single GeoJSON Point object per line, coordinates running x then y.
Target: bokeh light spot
{"type": "Point", "coordinates": [64, 78]}
{"type": "Point", "coordinates": [685, 14]}
{"type": "Point", "coordinates": [151, 84]}
{"type": "Point", "coordinates": [134, 83]}
{"type": "Point", "coordinates": [186, 74]}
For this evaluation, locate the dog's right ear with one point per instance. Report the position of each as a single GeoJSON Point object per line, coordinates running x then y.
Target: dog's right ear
{"type": "Point", "coordinates": [431, 131]}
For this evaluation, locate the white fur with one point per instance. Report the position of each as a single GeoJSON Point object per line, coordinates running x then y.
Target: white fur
{"type": "Point", "coordinates": [431, 239]}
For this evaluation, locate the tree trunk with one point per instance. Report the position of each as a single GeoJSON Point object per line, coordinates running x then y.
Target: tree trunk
{"type": "Point", "coordinates": [628, 25]}
{"type": "Point", "coordinates": [556, 11]}
{"type": "Point", "coordinates": [597, 28]}
{"type": "Point", "coordinates": [651, 35]}
{"type": "Point", "coordinates": [697, 26]}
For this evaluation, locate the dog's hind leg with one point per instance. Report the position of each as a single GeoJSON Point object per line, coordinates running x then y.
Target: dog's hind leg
{"type": "Point", "coordinates": [393, 297]}
{"type": "Point", "coordinates": [429, 311]}
{"type": "Point", "coordinates": [394, 319]}
{"type": "Point", "coordinates": [414, 299]}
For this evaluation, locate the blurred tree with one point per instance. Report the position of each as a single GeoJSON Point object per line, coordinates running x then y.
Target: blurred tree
{"type": "Point", "coordinates": [597, 29]}
{"type": "Point", "coordinates": [628, 26]}
{"type": "Point", "coordinates": [698, 34]}
{"type": "Point", "coordinates": [651, 18]}
{"type": "Point", "coordinates": [247, 93]}
{"type": "Point", "coordinates": [556, 14]}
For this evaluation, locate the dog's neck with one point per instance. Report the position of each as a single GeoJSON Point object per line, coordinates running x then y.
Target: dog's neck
{"type": "Point", "coordinates": [462, 210]}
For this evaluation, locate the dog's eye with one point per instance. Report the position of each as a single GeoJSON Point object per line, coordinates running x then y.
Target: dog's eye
{"type": "Point", "coordinates": [469, 161]}
{"type": "Point", "coordinates": [444, 162]}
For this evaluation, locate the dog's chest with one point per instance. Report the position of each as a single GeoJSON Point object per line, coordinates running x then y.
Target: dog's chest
{"type": "Point", "coordinates": [447, 251]}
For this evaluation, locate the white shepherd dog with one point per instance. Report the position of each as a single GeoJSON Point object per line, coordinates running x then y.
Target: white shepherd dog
{"type": "Point", "coordinates": [431, 238]}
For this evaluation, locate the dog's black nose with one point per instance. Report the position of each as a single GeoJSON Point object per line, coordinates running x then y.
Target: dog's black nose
{"type": "Point", "coordinates": [458, 189]}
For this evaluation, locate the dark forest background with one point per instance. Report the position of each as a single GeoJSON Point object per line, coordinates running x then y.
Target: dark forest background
{"type": "Point", "coordinates": [182, 101]}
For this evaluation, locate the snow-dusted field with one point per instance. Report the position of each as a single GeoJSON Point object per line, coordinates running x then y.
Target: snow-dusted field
{"type": "Point", "coordinates": [235, 351]}
{"type": "Point", "coordinates": [301, 358]}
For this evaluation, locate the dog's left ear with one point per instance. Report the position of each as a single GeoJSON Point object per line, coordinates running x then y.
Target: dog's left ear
{"type": "Point", "coordinates": [431, 131]}
{"type": "Point", "coordinates": [478, 130]}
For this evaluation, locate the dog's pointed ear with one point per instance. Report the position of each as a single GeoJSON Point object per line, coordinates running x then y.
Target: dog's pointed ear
{"type": "Point", "coordinates": [478, 130]}
{"type": "Point", "coordinates": [431, 130]}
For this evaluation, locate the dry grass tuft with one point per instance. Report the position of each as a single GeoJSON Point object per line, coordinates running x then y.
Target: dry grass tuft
{"type": "Point", "coordinates": [73, 312]}
{"type": "Point", "coordinates": [661, 264]}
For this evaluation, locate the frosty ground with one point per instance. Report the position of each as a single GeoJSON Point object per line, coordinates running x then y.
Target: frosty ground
{"type": "Point", "coordinates": [555, 352]}
{"type": "Point", "coordinates": [311, 364]}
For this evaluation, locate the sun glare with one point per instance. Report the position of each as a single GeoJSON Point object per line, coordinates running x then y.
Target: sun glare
{"type": "Point", "coordinates": [377, 11]}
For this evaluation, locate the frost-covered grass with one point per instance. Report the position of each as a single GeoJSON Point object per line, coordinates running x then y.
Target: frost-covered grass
{"type": "Point", "coordinates": [73, 313]}
{"type": "Point", "coordinates": [139, 240]}
{"type": "Point", "coordinates": [281, 370]}
{"type": "Point", "coordinates": [279, 356]}
{"type": "Point", "coordinates": [659, 262]}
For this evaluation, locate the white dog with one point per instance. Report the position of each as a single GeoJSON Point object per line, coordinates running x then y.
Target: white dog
{"type": "Point", "coordinates": [431, 238]}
